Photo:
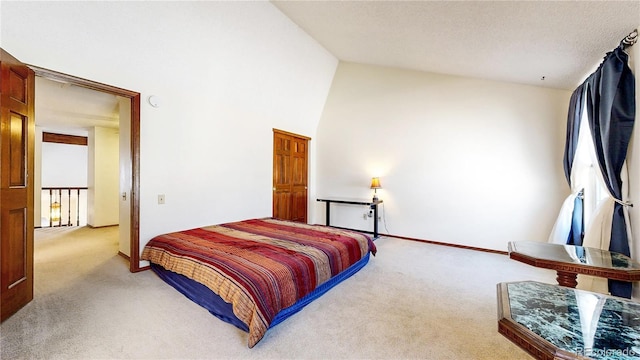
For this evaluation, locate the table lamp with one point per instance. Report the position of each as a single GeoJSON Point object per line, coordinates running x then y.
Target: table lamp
{"type": "Point", "coordinates": [55, 212]}
{"type": "Point", "coordinates": [375, 185]}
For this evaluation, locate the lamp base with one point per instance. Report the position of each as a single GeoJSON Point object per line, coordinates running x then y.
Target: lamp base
{"type": "Point", "coordinates": [375, 198]}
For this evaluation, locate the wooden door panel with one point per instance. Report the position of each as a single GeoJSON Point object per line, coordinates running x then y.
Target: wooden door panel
{"type": "Point", "coordinates": [298, 172]}
{"type": "Point", "coordinates": [281, 170]}
{"type": "Point", "coordinates": [299, 162]}
{"type": "Point", "coordinates": [17, 150]}
{"type": "Point", "coordinates": [282, 144]}
{"type": "Point", "coordinates": [299, 208]}
{"type": "Point", "coordinates": [299, 147]}
{"type": "Point", "coordinates": [15, 250]}
{"type": "Point", "coordinates": [18, 82]}
{"type": "Point", "coordinates": [282, 205]}
{"type": "Point", "coordinates": [17, 128]}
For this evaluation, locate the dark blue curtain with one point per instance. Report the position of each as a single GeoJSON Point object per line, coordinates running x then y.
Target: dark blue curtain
{"type": "Point", "coordinates": [610, 102]}
{"type": "Point", "coordinates": [576, 104]}
{"type": "Point", "coordinates": [573, 130]}
{"type": "Point", "coordinates": [576, 233]}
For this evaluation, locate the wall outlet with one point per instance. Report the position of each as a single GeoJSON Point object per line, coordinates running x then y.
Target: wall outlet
{"type": "Point", "coordinates": [161, 199]}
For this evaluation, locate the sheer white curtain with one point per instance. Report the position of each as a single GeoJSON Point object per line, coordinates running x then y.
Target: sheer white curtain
{"type": "Point", "coordinates": [562, 227]}
{"type": "Point", "coordinates": [583, 177]}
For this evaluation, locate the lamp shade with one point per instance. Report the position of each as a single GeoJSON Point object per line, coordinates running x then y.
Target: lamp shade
{"type": "Point", "coordinates": [375, 183]}
{"type": "Point", "coordinates": [55, 211]}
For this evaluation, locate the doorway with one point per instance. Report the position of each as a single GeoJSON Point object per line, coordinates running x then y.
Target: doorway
{"type": "Point", "coordinates": [130, 101]}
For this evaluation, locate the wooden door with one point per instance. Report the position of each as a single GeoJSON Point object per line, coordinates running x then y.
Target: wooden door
{"type": "Point", "coordinates": [17, 89]}
{"type": "Point", "coordinates": [290, 174]}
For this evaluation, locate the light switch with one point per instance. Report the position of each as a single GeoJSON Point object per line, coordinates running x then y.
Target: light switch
{"type": "Point", "coordinates": [161, 199]}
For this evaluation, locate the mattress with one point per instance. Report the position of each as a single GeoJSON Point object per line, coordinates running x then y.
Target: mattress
{"type": "Point", "coordinates": [255, 273]}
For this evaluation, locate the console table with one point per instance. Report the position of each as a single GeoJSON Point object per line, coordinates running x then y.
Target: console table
{"type": "Point", "coordinates": [554, 322]}
{"type": "Point", "coordinates": [570, 260]}
{"type": "Point", "coordinates": [372, 205]}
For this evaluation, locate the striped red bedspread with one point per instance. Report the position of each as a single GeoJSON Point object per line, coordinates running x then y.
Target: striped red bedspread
{"type": "Point", "coordinates": [260, 266]}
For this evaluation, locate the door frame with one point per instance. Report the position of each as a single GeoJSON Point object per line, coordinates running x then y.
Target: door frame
{"type": "Point", "coordinates": [273, 164]}
{"type": "Point", "coordinates": [134, 97]}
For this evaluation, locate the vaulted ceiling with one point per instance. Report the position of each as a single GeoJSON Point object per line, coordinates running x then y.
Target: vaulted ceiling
{"type": "Point", "coordinates": [513, 41]}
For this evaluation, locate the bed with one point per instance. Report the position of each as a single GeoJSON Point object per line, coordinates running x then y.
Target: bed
{"type": "Point", "coordinates": [256, 273]}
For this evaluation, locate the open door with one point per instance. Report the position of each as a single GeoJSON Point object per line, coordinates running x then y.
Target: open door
{"type": "Point", "coordinates": [17, 89]}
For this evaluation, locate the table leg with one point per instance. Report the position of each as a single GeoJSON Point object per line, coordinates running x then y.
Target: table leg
{"type": "Point", "coordinates": [375, 221]}
{"type": "Point", "coordinates": [567, 279]}
{"type": "Point", "coordinates": [327, 212]}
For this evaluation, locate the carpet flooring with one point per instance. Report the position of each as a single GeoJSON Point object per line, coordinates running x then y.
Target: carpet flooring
{"type": "Point", "coordinates": [412, 301]}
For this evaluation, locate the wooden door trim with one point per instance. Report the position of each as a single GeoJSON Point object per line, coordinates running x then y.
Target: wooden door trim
{"type": "Point", "coordinates": [134, 97]}
{"type": "Point", "coordinates": [64, 139]}
{"type": "Point", "coordinates": [290, 134]}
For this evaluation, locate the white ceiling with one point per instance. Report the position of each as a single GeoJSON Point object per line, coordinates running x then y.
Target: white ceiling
{"type": "Point", "coordinates": [514, 41]}
{"type": "Point", "coordinates": [66, 109]}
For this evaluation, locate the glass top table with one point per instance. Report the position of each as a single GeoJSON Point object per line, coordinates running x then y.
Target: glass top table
{"type": "Point", "coordinates": [554, 322]}
{"type": "Point", "coordinates": [570, 260]}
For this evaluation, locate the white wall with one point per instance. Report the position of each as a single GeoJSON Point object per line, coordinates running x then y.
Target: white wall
{"type": "Point", "coordinates": [461, 161]}
{"type": "Point", "coordinates": [64, 165]}
{"type": "Point", "coordinates": [226, 72]}
{"type": "Point", "coordinates": [103, 177]}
